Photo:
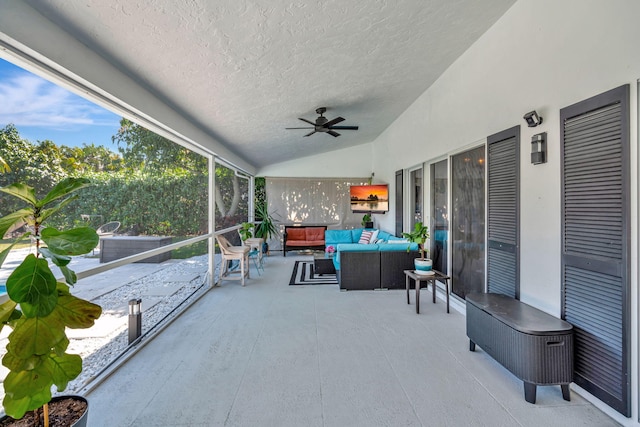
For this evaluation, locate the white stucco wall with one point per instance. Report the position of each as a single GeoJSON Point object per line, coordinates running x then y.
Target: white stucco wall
{"type": "Point", "coordinates": [543, 55]}
{"type": "Point", "coordinates": [352, 162]}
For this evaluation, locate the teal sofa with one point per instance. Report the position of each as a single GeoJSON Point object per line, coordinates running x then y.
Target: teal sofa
{"type": "Point", "coordinates": [378, 265]}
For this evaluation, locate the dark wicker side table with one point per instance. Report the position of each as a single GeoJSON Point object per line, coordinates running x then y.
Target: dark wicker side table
{"type": "Point", "coordinates": [411, 274]}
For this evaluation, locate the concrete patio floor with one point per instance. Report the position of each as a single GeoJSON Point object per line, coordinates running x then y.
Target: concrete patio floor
{"type": "Point", "coordinates": [270, 354]}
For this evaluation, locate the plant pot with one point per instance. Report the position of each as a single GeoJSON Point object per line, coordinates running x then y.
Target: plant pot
{"type": "Point", "coordinates": [368, 224]}
{"type": "Point", "coordinates": [53, 413]}
{"type": "Point", "coordinates": [423, 265]}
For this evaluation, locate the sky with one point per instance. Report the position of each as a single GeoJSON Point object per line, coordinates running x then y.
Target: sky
{"type": "Point", "coordinates": [41, 110]}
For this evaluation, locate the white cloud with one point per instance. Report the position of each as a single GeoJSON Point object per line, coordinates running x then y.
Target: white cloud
{"type": "Point", "coordinates": [28, 100]}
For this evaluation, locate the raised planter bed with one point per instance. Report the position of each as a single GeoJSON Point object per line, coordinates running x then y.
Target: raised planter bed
{"type": "Point", "coordinates": [113, 248]}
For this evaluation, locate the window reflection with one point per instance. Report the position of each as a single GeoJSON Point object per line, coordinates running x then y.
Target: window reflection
{"type": "Point", "coordinates": [439, 228]}
{"type": "Point", "coordinates": [468, 222]}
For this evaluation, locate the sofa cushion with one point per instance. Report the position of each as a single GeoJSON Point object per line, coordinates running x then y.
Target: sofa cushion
{"type": "Point", "coordinates": [315, 234]}
{"type": "Point", "coordinates": [384, 235]}
{"type": "Point", "coordinates": [334, 237]}
{"type": "Point", "coordinates": [355, 235]}
{"type": "Point", "coordinates": [397, 247]}
{"type": "Point", "coordinates": [304, 243]}
{"type": "Point", "coordinates": [296, 234]}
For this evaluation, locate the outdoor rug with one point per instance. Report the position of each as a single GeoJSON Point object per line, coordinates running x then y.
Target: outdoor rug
{"type": "Point", "coordinates": [303, 275]}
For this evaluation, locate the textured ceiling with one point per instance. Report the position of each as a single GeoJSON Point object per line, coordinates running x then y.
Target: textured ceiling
{"type": "Point", "coordinates": [244, 70]}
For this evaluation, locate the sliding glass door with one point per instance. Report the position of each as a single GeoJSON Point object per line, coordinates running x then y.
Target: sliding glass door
{"type": "Point", "coordinates": [415, 183]}
{"type": "Point", "coordinates": [439, 227]}
{"type": "Point", "coordinates": [468, 222]}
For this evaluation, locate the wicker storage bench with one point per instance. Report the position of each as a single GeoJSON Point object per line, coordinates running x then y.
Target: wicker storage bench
{"type": "Point", "coordinates": [533, 345]}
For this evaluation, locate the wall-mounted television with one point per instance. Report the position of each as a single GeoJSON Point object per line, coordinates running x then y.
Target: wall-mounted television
{"type": "Point", "coordinates": [369, 198]}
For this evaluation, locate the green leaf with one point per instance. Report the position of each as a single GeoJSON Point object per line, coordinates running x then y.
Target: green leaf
{"type": "Point", "coordinates": [20, 384]}
{"type": "Point", "coordinates": [64, 188]}
{"type": "Point", "coordinates": [16, 408]}
{"type": "Point", "coordinates": [61, 347]}
{"type": "Point", "coordinates": [21, 191]}
{"type": "Point", "coordinates": [7, 221]}
{"type": "Point", "coordinates": [33, 285]}
{"type": "Point", "coordinates": [36, 335]}
{"type": "Point", "coordinates": [46, 213]}
{"type": "Point", "coordinates": [69, 275]}
{"type": "Point", "coordinates": [59, 260]}
{"type": "Point", "coordinates": [15, 363]}
{"type": "Point", "coordinates": [64, 368]}
{"type": "Point", "coordinates": [77, 241]}
{"type": "Point", "coordinates": [77, 313]}
{"type": "Point", "coordinates": [6, 310]}
{"type": "Point", "coordinates": [5, 253]}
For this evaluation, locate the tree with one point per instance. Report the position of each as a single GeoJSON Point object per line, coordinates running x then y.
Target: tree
{"type": "Point", "coordinates": [141, 148]}
{"type": "Point", "coordinates": [39, 166]}
{"type": "Point", "coordinates": [90, 158]}
{"type": "Point", "coordinates": [4, 167]}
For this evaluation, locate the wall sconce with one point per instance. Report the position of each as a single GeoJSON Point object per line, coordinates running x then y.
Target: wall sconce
{"type": "Point", "coordinates": [533, 119]}
{"type": "Point", "coordinates": [539, 148]}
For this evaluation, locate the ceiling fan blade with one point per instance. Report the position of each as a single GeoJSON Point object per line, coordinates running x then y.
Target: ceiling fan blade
{"type": "Point", "coordinates": [344, 127]}
{"type": "Point", "coordinates": [307, 121]}
{"type": "Point", "coordinates": [332, 133]}
{"type": "Point", "coordinates": [310, 133]}
{"type": "Point", "coordinates": [333, 122]}
{"type": "Point", "coordinates": [303, 128]}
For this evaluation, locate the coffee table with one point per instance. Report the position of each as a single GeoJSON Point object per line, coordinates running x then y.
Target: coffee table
{"type": "Point", "coordinates": [323, 264]}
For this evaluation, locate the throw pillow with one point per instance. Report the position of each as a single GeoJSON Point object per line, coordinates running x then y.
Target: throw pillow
{"type": "Point", "coordinates": [374, 237]}
{"type": "Point", "coordinates": [365, 237]}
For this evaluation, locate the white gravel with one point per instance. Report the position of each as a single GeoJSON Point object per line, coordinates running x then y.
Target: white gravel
{"type": "Point", "coordinates": [108, 339]}
{"type": "Point", "coordinates": [164, 289]}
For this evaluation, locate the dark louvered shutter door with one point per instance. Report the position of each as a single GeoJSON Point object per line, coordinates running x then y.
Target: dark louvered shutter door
{"type": "Point", "coordinates": [595, 244]}
{"type": "Point", "coordinates": [503, 273]}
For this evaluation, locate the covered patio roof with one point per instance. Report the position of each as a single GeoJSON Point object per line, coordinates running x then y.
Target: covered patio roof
{"type": "Point", "coordinates": [232, 75]}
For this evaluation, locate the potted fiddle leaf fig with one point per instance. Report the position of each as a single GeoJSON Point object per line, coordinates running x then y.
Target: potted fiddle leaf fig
{"type": "Point", "coordinates": [419, 235]}
{"type": "Point", "coordinates": [40, 307]}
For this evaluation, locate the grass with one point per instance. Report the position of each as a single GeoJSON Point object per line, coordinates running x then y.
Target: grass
{"type": "Point", "coordinates": [199, 248]}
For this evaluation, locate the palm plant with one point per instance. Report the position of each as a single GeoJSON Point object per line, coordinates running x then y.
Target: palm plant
{"type": "Point", "coordinates": [266, 228]}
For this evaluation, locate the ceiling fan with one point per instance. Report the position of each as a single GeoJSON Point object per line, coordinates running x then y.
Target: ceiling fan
{"type": "Point", "coordinates": [322, 124]}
